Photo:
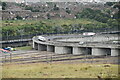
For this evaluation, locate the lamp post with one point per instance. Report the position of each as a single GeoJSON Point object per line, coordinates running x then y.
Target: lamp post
{"type": "Point", "coordinates": [7, 36]}
{"type": "Point", "coordinates": [21, 33]}
{"type": "Point", "coordinates": [107, 38]}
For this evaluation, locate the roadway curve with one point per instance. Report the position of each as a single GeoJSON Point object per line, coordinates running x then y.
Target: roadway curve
{"type": "Point", "coordinates": [72, 40]}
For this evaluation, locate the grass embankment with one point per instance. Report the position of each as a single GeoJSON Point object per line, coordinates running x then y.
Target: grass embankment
{"type": "Point", "coordinates": [24, 48]}
{"type": "Point", "coordinates": [15, 23]}
{"type": "Point", "coordinates": [59, 70]}
{"type": "Point", "coordinates": [28, 27]}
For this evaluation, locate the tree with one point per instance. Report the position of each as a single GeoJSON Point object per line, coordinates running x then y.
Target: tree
{"type": "Point", "coordinates": [57, 29]}
{"type": "Point", "coordinates": [110, 3]}
{"type": "Point", "coordinates": [19, 17]}
{"type": "Point", "coordinates": [4, 5]}
{"type": "Point", "coordinates": [28, 8]}
{"type": "Point", "coordinates": [117, 15]}
{"type": "Point", "coordinates": [68, 11]}
{"type": "Point", "coordinates": [112, 23]}
{"type": "Point", "coordinates": [55, 7]}
{"type": "Point", "coordinates": [93, 14]}
{"type": "Point", "coordinates": [48, 16]}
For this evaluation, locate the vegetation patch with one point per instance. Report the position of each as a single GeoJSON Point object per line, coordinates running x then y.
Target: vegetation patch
{"type": "Point", "coordinates": [59, 70]}
{"type": "Point", "coordinates": [24, 48]}
{"type": "Point", "coordinates": [28, 27]}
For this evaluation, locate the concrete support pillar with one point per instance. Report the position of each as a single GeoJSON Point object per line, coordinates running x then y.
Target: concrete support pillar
{"type": "Point", "coordinates": [62, 50]}
{"type": "Point", "coordinates": [69, 50]}
{"type": "Point", "coordinates": [33, 45]}
{"type": "Point", "coordinates": [42, 47]}
{"type": "Point", "coordinates": [100, 51]}
{"type": "Point", "coordinates": [78, 50]}
{"type": "Point", "coordinates": [115, 52]}
{"type": "Point", "coordinates": [50, 48]}
{"type": "Point", "coordinates": [36, 46]}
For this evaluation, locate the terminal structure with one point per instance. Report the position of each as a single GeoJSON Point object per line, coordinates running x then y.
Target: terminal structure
{"type": "Point", "coordinates": [97, 45]}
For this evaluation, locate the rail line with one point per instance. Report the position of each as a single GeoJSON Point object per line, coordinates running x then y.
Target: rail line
{"type": "Point", "coordinates": [61, 58]}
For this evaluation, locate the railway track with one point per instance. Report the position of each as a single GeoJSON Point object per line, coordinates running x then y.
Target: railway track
{"type": "Point", "coordinates": [50, 57]}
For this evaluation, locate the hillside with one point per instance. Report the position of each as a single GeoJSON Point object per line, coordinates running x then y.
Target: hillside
{"type": "Point", "coordinates": [27, 27]}
{"type": "Point", "coordinates": [49, 10]}
{"type": "Point", "coordinates": [34, 18]}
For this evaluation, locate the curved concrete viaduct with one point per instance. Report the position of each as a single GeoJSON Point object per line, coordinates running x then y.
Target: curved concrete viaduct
{"type": "Point", "coordinates": [97, 45]}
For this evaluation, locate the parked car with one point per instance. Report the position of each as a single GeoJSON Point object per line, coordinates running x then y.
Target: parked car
{"type": "Point", "coordinates": [88, 33]}
{"type": "Point", "coordinates": [41, 38]}
{"type": "Point", "coordinates": [9, 49]}
{"type": "Point", "coordinates": [81, 43]}
{"type": "Point", "coordinates": [116, 42]}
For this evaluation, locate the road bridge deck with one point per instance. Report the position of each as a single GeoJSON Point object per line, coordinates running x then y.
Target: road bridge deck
{"type": "Point", "coordinates": [66, 44]}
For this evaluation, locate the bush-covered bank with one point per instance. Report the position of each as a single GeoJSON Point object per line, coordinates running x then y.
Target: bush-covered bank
{"type": "Point", "coordinates": [24, 27]}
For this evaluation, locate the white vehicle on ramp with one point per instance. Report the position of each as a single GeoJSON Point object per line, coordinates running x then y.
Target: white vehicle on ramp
{"type": "Point", "coordinates": [88, 33]}
{"type": "Point", "coordinates": [41, 38]}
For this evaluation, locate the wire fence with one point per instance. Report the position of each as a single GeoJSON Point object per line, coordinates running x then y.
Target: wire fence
{"type": "Point", "coordinates": [5, 38]}
{"type": "Point", "coordinates": [50, 57]}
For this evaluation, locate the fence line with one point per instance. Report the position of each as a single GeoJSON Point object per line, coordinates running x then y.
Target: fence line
{"type": "Point", "coordinates": [5, 38]}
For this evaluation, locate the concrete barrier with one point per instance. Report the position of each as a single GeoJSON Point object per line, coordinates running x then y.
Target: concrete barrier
{"type": "Point", "coordinates": [80, 50]}
{"type": "Point", "coordinates": [63, 50]}
{"type": "Point", "coordinates": [100, 51]}
{"type": "Point", "coordinates": [36, 46]}
{"type": "Point", "coordinates": [42, 47]}
{"type": "Point", "coordinates": [115, 52]}
{"type": "Point", "coordinates": [51, 48]}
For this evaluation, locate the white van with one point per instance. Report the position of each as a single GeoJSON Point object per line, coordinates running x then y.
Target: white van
{"type": "Point", "coordinates": [88, 33]}
{"type": "Point", "coordinates": [41, 38]}
{"type": "Point", "coordinates": [81, 43]}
